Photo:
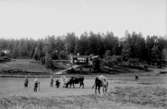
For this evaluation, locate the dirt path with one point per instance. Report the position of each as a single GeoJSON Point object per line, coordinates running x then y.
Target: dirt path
{"type": "Point", "coordinates": [63, 71]}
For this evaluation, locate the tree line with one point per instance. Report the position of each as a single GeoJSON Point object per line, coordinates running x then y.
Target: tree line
{"type": "Point", "coordinates": [148, 49]}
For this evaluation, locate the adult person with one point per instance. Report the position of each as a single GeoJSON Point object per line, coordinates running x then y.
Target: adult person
{"type": "Point", "coordinates": [64, 80]}
{"type": "Point", "coordinates": [51, 81]}
{"type": "Point", "coordinates": [97, 85]}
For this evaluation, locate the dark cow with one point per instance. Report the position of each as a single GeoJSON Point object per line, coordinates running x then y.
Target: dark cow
{"type": "Point", "coordinates": [75, 80]}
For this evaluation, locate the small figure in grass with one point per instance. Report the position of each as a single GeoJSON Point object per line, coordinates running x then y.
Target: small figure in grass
{"type": "Point", "coordinates": [136, 77]}
{"type": "Point", "coordinates": [51, 81]}
{"type": "Point", "coordinates": [57, 83]}
{"type": "Point", "coordinates": [36, 85]}
{"type": "Point", "coordinates": [26, 82]}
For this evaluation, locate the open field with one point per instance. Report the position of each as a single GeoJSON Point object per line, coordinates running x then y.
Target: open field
{"type": "Point", "coordinates": [149, 92]}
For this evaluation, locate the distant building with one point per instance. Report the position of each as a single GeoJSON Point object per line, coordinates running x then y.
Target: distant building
{"type": "Point", "coordinates": [79, 59]}
{"type": "Point", "coordinates": [4, 52]}
{"type": "Point", "coordinates": [165, 55]}
{"type": "Point", "coordinates": [4, 57]}
{"type": "Point", "coordinates": [88, 60]}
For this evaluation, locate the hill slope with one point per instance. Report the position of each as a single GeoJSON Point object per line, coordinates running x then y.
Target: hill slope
{"type": "Point", "coordinates": [26, 65]}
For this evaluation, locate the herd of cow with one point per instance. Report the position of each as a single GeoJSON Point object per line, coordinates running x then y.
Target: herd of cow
{"type": "Point", "coordinates": [100, 82]}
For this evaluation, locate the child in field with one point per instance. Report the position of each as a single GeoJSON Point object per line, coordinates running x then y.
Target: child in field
{"type": "Point", "coordinates": [136, 77]}
{"type": "Point", "coordinates": [26, 82]}
{"type": "Point", "coordinates": [57, 83]}
{"type": "Point", "coordinates": [36, 85]}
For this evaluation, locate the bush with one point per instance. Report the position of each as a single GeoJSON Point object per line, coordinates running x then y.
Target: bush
{"type": "Point", "coordinates": [112, 60]}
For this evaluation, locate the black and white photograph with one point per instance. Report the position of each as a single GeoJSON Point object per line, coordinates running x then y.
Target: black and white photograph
{"type": "Point", "coordinates": [83, 54]}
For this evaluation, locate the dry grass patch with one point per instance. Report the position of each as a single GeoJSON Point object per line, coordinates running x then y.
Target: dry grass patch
{"type": "Point", "coordinates": [121, 97]}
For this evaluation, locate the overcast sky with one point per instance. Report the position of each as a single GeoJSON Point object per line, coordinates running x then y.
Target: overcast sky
{"type": "Point", "coordinates": [39, 18]}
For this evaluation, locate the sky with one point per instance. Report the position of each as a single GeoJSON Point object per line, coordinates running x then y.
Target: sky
{"type": "Point", "coordinates": [40, 18]}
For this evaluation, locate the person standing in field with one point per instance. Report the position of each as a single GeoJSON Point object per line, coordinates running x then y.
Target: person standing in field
{"type": "Point", "coordinates": [64, 80]}
{"type": "Point", "coordinates": [36, 85]}
{"type": "Point", "coordinates": [26, 82]}
{"type": "Point", "coordinates": [57, 83]}
{"type": "Point", "coordinates": [51, 81]}
{"type": "Point", "coordinates": [101, 82]}
{"type": "Point", "coordinates": [136, 77]}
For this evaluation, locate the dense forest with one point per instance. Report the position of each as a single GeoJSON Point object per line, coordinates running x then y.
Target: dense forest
{"type": "Point", "coordinates": [147, 49]}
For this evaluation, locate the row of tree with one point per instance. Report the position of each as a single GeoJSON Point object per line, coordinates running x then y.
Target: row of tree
{"type": "Point", "coordinates": [150, 49]}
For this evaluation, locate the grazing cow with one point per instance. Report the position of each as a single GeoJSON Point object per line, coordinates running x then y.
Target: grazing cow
{"type": "Point", "coordinates": [75, 80]}
{"type": "Point", "coordinates": [100, 82]}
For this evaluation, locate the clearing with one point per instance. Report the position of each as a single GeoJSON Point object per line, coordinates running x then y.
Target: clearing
{"type": "Point", "coordinates": [149, 92]}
